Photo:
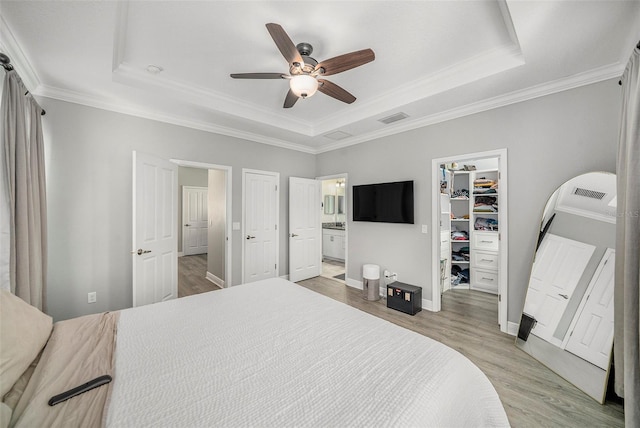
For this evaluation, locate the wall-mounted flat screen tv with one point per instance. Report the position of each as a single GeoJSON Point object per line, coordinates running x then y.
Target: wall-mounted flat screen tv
{"type": "Point", "coordinates": [384, 202]}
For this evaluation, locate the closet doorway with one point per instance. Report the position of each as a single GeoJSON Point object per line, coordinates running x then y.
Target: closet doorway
{"type": "Point", "coordinates": [469, 213]}
{"type": "Point", "coordinates": [205, 195]}
{"type": "Point", "coordinates": [334, 226]}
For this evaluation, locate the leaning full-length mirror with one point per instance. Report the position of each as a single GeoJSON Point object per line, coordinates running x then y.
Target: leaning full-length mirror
{"type": "Point", "coordinates": [567, 320]}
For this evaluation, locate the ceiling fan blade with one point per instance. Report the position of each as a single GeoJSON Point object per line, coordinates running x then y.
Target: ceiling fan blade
{"type": "Point", "coordinates": [346, 62]}
{"type": "Point", "coordinates": [290, 100]}
{"type": "Point", "coordinates": [335, 91]}
{"type": "Point", "coordinates": [284, 43]}
{"type": "Point", "coordinates": [258, 76]}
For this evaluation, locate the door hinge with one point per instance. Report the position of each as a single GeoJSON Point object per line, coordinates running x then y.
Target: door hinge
{"type": "Point", "coordinates": [499, 298]}
{"type": "Point", "coordinates": [276, 227]}
{"type": "Point", "coordinates": [276, 187]}
{"type": "Point", "coordinates": [275, 266]}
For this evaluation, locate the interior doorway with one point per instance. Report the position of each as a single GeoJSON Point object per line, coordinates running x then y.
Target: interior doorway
{"type": "Point", "coordinates": [334, 226]}
{"type": "Point", "coordinates": [469, 213]}
{"type": "Point", "coordinates": [204, 261]}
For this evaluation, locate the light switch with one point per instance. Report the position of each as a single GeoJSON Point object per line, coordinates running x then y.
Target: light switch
{"type": "Point", "coordinates": [235, 225]}
{"type": "Point", "coordinates": [425, 228]}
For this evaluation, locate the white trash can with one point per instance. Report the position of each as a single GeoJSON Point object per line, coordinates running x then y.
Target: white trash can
{"type": "Point", "coordinates": [371, 282]}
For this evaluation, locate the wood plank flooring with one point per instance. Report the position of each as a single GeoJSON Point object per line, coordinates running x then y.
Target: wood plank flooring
{"type": "Point", "coordinates": [192, 272]}
{"type": "Point", "coordinates": [532, 395]}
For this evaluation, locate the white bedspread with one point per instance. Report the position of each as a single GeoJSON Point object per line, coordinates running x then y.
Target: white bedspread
{"type": "Point", "coordinates": [272, 353]}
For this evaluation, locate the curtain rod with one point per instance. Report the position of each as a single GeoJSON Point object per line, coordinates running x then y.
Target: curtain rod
{"type": "Point", "coordinates": [6, 64]}
{"type": "Point", "coordinates": [637, 47]}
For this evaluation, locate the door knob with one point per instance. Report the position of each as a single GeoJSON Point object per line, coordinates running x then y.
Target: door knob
{"type": "Point", "coordinates": [250, 237]}
{"type": "Point", "coordinates": [187, 225]}
{"type": "Point", "coordinates": [140, 251]}
{"type": "Point", "coordinates": [293, 235]}
{"type": "Point", "coordinates": [564, 296]}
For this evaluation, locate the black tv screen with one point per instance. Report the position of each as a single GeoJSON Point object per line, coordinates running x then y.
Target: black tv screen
{"type": "Point", "coordinates": [384, 202]}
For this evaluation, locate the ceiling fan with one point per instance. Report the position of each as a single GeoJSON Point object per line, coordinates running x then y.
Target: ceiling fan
{"type": "Point", "coordinates": [305, 72]}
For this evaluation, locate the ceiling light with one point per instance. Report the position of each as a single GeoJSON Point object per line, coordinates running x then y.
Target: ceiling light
{"type": "Point", "coordinates": [303, 85]}
{"type": "Point", "coordinates": [154, 69]}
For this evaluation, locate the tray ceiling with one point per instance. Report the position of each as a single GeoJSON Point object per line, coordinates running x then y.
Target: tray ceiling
{"type": "Point", "coordinates": [434, 60]}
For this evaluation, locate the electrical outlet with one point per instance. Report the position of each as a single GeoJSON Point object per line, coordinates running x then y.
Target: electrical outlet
{"type": "Point", "coordinates": [91, 297]}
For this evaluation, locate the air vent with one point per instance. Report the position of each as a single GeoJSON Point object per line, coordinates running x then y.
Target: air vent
{"type": "Point", "coordinates": [393, 118]}
{"type": "Point", "coordinates": [337, 135]}
{"type": "Point", "coordinates": [594, 194]}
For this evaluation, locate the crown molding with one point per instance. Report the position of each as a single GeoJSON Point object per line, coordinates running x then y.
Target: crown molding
{"type": "Point", "coordinates": [119, 107]}
{"type": "Point", "coordinates": [132, 76]}
{"type": "Point", "coordinates": [480, 66]}
{"type": "Point", "coordinates": [600, 74]}
{"type": "Point", "coordinates": [19, 60]}
{"type": "Point", "coordinates": [611, 71]}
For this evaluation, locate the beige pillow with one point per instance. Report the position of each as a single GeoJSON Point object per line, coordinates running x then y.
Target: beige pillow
{"type": "Point", "coordinates": [24, 331]}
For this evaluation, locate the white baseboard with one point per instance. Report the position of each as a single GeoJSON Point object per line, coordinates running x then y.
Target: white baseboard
{"type": "Point", "coordinates": [180, 253]}
{"type": "Point", "coordinates": [217, 281]}
{"type": "Point", "coordinates": [512, 328]}
{"type": "Point", "coordinates": [353, 283]}
{"type": "Point", "coordinates": [285, 277]}
{"type": "Point", "coordinates": [427, 305]}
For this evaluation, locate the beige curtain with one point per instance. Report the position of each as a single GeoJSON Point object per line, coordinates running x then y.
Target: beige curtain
{"type": "Point", "coordinates": [24, 179]}
{"type": "Point", "coordinates": [627, 283]}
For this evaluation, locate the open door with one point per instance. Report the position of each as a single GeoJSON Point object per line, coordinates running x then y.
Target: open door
{"type": "Point", "coordinates": [155, 229]}
{"type": "Point", "coordinates": [305, 232]}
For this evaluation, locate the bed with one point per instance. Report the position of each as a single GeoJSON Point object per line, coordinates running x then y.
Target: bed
{"type": "Point", "coordinates": [269, 353]}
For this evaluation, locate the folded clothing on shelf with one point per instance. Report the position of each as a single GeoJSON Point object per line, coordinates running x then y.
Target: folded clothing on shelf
{"type": "Point", "coordinates": [484, 223]}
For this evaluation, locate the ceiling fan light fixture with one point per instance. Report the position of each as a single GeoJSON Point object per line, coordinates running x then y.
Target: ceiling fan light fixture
{"type": "Point", "coordinates": [303, 85]}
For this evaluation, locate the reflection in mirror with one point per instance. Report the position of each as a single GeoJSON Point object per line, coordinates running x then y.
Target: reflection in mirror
{"type": "Point", "coordinates": [340, 204]}
{"type": "Point", "coordinates": [567, 319]}
{"type": "Point", "coordinates": [329, 202]}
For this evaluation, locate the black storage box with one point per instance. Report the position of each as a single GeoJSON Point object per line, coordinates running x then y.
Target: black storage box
{"type": "Point", "coordinates": [404, 297]}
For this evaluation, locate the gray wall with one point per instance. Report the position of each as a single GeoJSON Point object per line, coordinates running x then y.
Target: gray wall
{"type": "Point", "coordinates": [549, 140]}
{"type": "Point", "coordinates": [89, 197]}
{"type": "Point", "coordinates": [196, 177]}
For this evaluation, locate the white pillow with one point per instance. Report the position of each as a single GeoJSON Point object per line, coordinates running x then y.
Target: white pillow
{"type": "Point", "coordinates": [24, 331]}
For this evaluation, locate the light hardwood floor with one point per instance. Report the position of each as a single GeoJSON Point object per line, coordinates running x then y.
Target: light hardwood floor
{"type": "Point", "coordinates": [331, 268]}
{"type": "Point", "coordinates": [192, 271]}
{"type": "Point", "coordinates": [532, 395]}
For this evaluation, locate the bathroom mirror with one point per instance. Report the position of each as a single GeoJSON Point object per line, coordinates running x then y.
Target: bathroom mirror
{"type": "Point", "coordinates": [567, 319]}
{"type": "Point", "coordinates": [329, 204]}
{"type": "Point", "coordinates": [340, 204]}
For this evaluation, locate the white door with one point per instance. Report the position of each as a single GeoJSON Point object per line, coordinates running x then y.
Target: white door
{"type": "Point", "coordinates": [194, 220]}
{"type": "Point", "coordinates": [305, 233]}
{"type": "Point", "coordinates": [155, 229]}
{"type": "Point", "coordinates": [558, 266]}
{"type": "Point", "coordinates": [592, 329]}
{"type": "Point", "coordinates": [260, 225]}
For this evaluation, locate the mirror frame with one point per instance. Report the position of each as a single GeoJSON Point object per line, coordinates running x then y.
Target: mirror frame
{"type": "Point", "coordinates": [585, 375]}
